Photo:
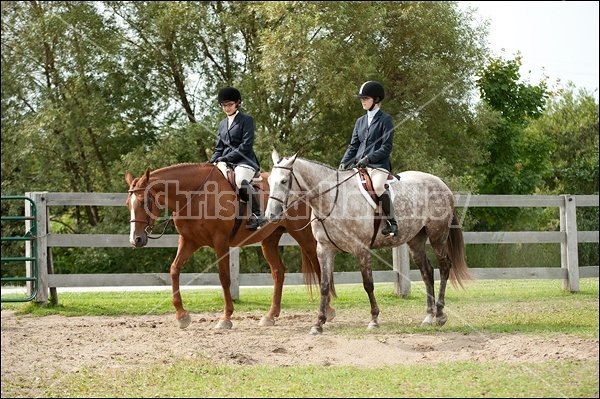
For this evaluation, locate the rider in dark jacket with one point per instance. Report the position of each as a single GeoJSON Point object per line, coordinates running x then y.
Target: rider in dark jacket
{"type": "Point", "coordinates": [234, 145]}
{"type": "Point", "coordinates": [371, 146]}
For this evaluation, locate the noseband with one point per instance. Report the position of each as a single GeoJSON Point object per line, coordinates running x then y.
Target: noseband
{"type": "Point", "coordinates": [149, 221]}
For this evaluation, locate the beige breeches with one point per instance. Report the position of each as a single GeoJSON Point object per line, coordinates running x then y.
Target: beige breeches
{"type": "Point", "coordinates": [379, 177]}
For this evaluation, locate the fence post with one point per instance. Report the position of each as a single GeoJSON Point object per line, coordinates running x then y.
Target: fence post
{"type": "Point", "coordinates": [401, 264]}
{"type": "Point", "coordinates": [234, 272]}
{"type": "Point", "coordinates": [39, 198]}
{"type": "Point", "coordinates": [568, 248]}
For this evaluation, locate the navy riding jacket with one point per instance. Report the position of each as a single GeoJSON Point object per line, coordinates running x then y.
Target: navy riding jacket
{"type": "Point", "coordinates": [236, 143]}
{"type": "Point", "coordinates": [374, 142]}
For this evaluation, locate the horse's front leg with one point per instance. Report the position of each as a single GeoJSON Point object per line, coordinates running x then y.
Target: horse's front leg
{"type": "Point", "coordinates": [364, 261]}
{"type": "Point", "coordinates": [310, 264]}
{"type": "Point", "coordinates": [184, 251]}
{"type": "Point", "coordinates": [222, 251]}
{"type": "Point", "coordinates": [326, 261]}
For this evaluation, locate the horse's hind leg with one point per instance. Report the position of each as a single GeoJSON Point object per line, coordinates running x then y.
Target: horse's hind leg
{"type": "Point", "coordinates": [222, 250]}
{"type": "Point", "coordinates": [444, 264]}
{"type": "Point", "coordinates": [270, 250]}
{"type": "Point", "coordinates": [364, 261]}
{"type": "Point", "coordinates": [419, 255]}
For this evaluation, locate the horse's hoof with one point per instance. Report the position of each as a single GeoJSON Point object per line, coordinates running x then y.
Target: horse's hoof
{"type": "Point", "coordinates": [224, 325]}
{"type": "Point", "coordinates": [330, 314]}
{"type": "Point", "coordinates": [266, 322]}
{"type": "Point", "coordinates": [185, 320]}
{"type": "Point", "coordinates": [316, 330]}
{"type": "Point", "coordinates": [373, 325]}
{"type": "Point", "coordinates": [441, 320]}
{"type": "Point", "coordinates": [428, 321]}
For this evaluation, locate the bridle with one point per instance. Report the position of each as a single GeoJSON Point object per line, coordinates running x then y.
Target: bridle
{"type": "Point", "coordinates": [283, 202]}
{"type": "Point", "coordinates": [149, 220]}
{"type": "Point", "coordinates": [286, 206]}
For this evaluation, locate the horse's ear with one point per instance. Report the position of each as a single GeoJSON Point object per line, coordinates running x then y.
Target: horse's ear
{"type": "Point", "coordinates": [146, 177]}
{"type": "Point", "coordinates": [128, 177]}
{"type": "Point", "coordinates": [275, 157]}
{"type": "Point", "coordinates": [293, 157]}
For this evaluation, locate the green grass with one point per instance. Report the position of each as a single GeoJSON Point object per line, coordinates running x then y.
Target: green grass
{"type": "Point", "coordinates": [197, 378]}
{"type": "Point", "coordinates": [488, 306]}
{"type": "Point", "coordinates": [501, 306]}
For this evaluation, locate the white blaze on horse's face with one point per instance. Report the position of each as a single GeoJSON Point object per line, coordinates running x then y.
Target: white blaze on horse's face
{"type": "Point", "coordinates": [132, 205]}
{"type": "Point", "coordinates": [139, 220]}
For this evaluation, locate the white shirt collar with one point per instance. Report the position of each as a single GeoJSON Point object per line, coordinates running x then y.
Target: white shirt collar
{"type": "Point", "coordinates": [230, 118]}
{"type": "Point", "coordinates": [371, 114]}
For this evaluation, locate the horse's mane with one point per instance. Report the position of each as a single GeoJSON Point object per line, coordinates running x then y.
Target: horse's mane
{"type": "Point", "coordinates": [317, 162]}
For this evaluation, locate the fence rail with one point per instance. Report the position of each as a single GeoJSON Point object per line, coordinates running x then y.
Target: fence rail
{"type": "Point", "coordinates": [568, 237]}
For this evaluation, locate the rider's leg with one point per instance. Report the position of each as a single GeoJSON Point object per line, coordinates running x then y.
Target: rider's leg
{"type": "Point", "coordinates": [387, 206]}
{"type": "Point", "coordinates": [243, 175]}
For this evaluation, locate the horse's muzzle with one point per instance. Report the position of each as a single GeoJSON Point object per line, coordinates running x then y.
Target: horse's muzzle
{"type": "Point", "coordinates": [274, 218]}
{"type": "Point", "coordinates": [139, 241]}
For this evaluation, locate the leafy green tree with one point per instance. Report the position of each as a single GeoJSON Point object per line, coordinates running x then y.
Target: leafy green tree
{"type": "Point", "coordinates": [518, 159]}
{"type": "Point", "coordinates": [570, 123]}
{"type": "Point", "coordinates": [91, 89]}
{"type": "Point", "coordinates": [315, 55]}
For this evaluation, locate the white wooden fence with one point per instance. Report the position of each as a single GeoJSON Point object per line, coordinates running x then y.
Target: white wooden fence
{"type": "Point", "coordinates": [568, 237]}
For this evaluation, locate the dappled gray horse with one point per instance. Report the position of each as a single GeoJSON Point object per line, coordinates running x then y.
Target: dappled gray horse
{"type": "Point", "coordinates": [343, 220]}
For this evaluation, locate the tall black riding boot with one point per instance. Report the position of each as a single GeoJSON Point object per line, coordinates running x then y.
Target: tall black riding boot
{"type": "Point", "coordinates": [391, 229]}
{"type": "Point", "coordinates": [257, 219]}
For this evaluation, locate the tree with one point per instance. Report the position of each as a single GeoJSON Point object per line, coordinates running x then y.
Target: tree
{"type": "Point", "coordinates": [91, 89]}
{"type": "Point", "coordinates": [518, 159]}
{"type": "Point", "coordinates": [570, 124]}
{"type": "Point", "coordinates": [315, 55]}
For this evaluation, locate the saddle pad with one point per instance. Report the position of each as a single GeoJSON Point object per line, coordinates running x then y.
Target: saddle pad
{"type": "Point", "coordinates": [368, 196]}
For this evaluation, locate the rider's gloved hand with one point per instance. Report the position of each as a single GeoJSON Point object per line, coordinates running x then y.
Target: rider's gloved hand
{"type": "Point", "coordinates": [363, 162]}
{"type": "Point", "coordinates": [342, 167]}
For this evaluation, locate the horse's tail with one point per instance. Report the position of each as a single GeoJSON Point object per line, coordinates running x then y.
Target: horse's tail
{"type": "Point", "coordinates": [311, 274]}
{"type": "Point", "coordinates": [459, 272]}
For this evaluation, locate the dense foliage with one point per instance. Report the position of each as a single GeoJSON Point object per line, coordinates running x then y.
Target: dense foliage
{"type": "Point", "coordinates": [92, 89]}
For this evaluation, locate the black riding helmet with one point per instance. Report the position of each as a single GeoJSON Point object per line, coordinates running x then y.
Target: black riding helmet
{"type": "Point", "coordinates": [371, 89]}
{"type": "Point", "coordinates": [229, 94]}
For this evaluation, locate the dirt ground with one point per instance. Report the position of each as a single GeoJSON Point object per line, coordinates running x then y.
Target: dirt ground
{"type": "Point", "coordinates": [68, 344]}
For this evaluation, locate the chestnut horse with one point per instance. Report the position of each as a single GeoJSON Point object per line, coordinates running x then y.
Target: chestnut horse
{"type": "Point", "coordinates": [204, 206]}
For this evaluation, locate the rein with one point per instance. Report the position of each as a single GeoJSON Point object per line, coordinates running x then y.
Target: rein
{"type": "Point", "coordinates": [322, 220]}
{"type": "Point", "coordinates": [149, 222]}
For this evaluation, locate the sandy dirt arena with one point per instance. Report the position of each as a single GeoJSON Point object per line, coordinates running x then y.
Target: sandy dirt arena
{"type": "Point", "coordinates": [36, 346]}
